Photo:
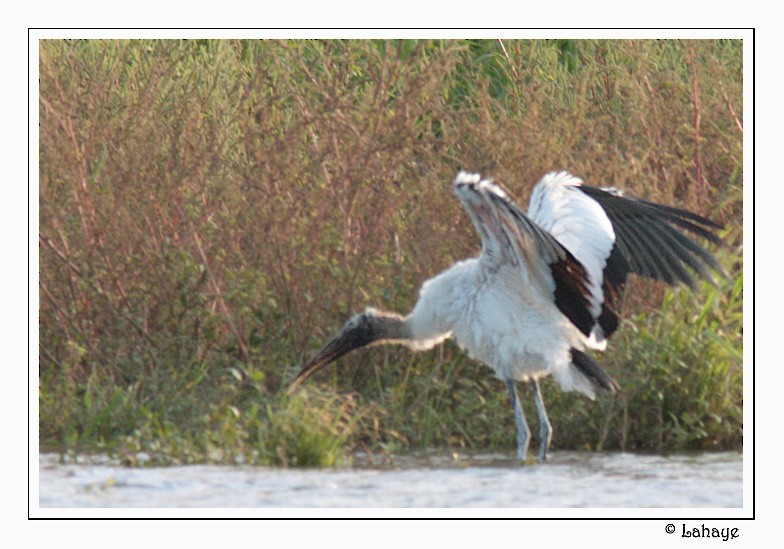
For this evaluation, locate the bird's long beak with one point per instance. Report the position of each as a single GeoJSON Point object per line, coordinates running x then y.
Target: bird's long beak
{"type": "Point", "coordinates": [345, 341]}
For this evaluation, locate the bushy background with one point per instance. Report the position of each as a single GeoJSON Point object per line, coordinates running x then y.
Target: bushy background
{"type": "Point", "coordinates": [212, 210]}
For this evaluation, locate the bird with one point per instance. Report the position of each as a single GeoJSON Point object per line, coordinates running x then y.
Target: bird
{"type": "Point", "coordinates": [545, 288]}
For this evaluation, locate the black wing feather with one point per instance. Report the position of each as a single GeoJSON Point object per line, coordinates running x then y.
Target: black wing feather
{"type": "Point", "coordinates": [591, 369]}
{"type": "Point", "coordinates": [649, 242]}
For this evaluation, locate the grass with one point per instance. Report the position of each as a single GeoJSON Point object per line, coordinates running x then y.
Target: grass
{"type": "Point", "coordinates": [211, 211]}
{"type": "Point", "coordinates": [680, 368]}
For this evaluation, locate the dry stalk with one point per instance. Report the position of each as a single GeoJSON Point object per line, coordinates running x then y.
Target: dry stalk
{"type": "Point", "coordinates": [509, 59]}
{"type": "Point", "coordinates": [727, 102]}
{"type": "Point", "coordinates": [698, 174]}
{"type": "Point", "coordinates": [219, 295]}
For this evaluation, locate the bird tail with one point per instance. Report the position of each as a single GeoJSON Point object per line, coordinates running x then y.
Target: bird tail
{"type": "Point", "coordinates": [591, 369]}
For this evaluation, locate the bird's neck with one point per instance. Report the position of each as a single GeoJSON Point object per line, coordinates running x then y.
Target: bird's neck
{"type": "Point", "coordinates": [414, 332]}
{"type": "Point", "coordinates": [389, 327]}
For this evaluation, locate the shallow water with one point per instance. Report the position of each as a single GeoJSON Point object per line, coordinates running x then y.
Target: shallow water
{"type": "Point", "coordinates": [568, 479]}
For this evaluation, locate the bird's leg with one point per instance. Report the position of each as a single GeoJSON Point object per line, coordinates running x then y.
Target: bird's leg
{"type": "Point", "coordinates": [545, 429]}
{"type": "Point", "coordinates": [523, 433]}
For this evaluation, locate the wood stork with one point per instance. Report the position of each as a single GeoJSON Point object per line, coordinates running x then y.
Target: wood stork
{"type": "Point", "coordinates": [545, 287]}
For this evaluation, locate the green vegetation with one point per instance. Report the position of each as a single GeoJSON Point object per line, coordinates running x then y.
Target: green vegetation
{"type": "Point", "coordinates": [211, 211]}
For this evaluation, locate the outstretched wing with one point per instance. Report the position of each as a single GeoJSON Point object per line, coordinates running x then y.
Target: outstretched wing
{"type": "Point", "coordinates": [509, 236]}
{"type": "Point", "coordinates": [640, 237]}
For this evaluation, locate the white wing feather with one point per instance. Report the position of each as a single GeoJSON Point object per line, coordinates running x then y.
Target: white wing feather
{"type": "Point", "coordinates": [580, 224]}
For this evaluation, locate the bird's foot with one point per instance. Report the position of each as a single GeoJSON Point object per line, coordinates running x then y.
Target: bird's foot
{"type": "Point", "coordinates": [525, 459]}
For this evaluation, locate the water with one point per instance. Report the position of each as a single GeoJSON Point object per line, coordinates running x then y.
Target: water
{"type": "Point", "coordinates": [435, 480]}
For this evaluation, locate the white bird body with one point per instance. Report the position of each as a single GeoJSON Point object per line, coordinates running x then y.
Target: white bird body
{"type": "Point", "coordinates": [544, 288]}
{"type": "Point", "coordinates": [490, 313]}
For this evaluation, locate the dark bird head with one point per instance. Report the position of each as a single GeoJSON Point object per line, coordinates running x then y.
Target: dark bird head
{"type": "Point", "coordinates": [359, 331]}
